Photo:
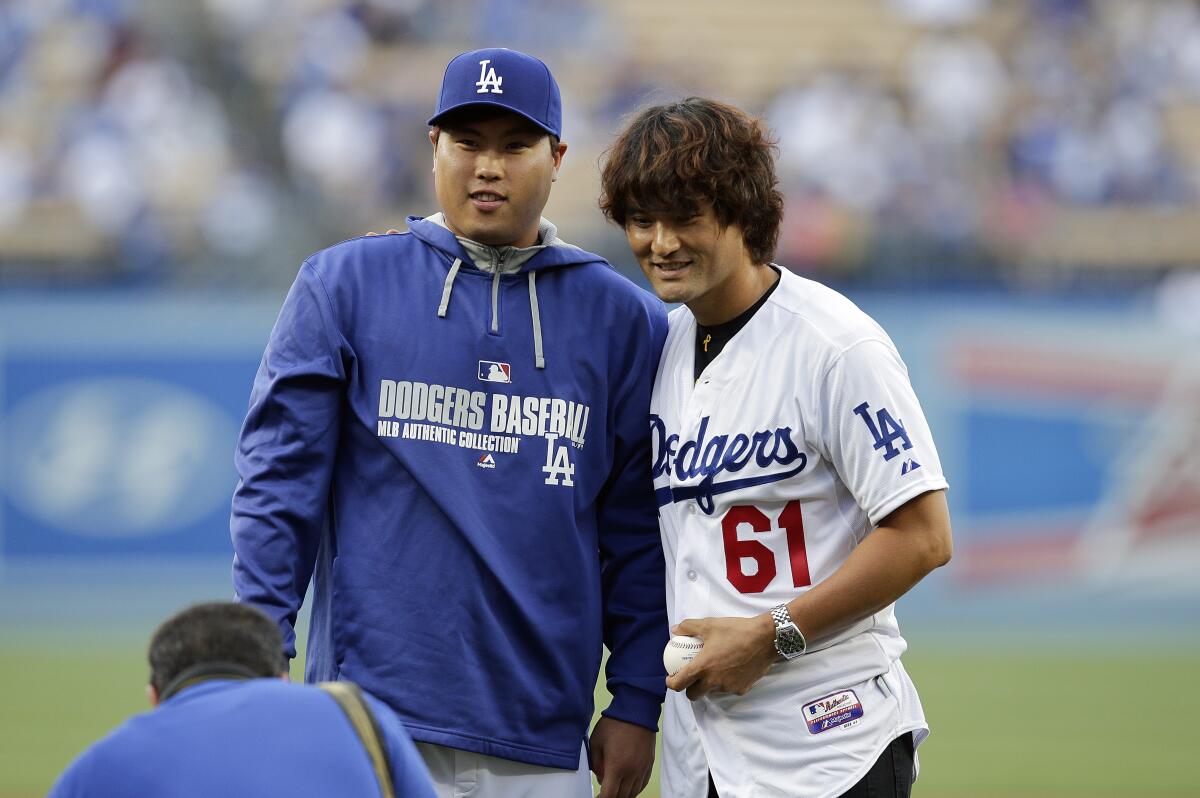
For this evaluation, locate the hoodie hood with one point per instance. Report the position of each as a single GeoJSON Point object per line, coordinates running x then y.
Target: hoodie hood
{"type": "Point", "coordinates": [551, 253]}
{"type": "Point", "coordinates": [507, 260]}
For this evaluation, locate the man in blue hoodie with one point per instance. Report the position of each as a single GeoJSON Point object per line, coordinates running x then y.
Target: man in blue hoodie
{"type": "Point", "coordinates": [226, 724]}
{"type": "Point", "coordinates": [448, 434]}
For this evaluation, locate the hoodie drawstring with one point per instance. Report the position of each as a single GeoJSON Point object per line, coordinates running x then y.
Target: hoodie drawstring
{"type": "Point", "coordinates": [539, 359]}
{"type": "Point", "coordinates": [446, 289]}
{"type": "Point", "coordinates": [539, 356]}
{"type": "Point", "coordinates": [496, 301]}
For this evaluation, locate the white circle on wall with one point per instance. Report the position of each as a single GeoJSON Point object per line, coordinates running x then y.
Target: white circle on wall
{"type": "Point", "coordinates": [116, 457]}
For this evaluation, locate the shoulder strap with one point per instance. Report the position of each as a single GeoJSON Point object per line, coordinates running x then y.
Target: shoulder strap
{"type": "Point", "coordinates": [350, 699]}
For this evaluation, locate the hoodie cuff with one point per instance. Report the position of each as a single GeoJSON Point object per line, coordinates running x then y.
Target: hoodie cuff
{"type": "Point", "coordinates": [635, 706]}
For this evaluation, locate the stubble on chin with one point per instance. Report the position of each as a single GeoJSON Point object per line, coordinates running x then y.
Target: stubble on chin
{"type": "Point", "coordinates": [669, 293]}
{"type": "Point", "coordinates": [475, 229]}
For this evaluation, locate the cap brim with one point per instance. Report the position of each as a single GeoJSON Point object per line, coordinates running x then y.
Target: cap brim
{"type": "Point", "coordinates": [434, 120]}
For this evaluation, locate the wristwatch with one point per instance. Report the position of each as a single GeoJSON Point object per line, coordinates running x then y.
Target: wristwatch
{"type": "Point", "coordinates": [789, 641]}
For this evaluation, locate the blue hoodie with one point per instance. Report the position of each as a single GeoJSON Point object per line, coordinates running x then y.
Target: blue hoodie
{"type": "Point", "coordinates": [461, 462]}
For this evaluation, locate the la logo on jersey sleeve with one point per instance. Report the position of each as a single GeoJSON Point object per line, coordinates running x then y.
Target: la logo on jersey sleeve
{"type": "Point", "coordinates": [887, 432]}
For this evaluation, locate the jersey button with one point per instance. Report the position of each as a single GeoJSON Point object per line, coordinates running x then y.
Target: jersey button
{"type": "Point", "coordinates": [692, 576]}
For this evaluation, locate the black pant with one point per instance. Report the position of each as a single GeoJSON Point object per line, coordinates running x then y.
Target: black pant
{"type": "Point", "coordinates": [890, 777]}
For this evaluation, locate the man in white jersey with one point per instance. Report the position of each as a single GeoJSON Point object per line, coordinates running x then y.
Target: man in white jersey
{"type": "Point", "coordinates": [799, 490]}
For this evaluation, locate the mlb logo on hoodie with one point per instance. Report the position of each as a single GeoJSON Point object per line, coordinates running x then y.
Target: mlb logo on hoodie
{"type": "Point", "coordinates": [491, 371]}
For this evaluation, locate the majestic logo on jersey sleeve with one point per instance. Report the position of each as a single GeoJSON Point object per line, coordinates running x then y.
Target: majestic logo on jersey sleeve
{"type": "Point", "coordinates": [720, 453]}
{"type": "Point", "coordinates": [885, 430]}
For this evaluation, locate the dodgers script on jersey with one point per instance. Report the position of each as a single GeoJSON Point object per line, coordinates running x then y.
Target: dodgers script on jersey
{"type": "Point", "coordinates": [798, 438]}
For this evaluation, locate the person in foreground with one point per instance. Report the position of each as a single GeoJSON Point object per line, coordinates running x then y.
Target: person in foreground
{"type": "Point", "coordinates": [227, 722]}
{"type": "Point", "coordinates": [448, 434]}
{"type": "Point", "coordinates": [799, 491]}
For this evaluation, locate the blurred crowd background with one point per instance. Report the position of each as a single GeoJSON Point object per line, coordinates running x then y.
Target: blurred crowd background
{"type": "Point", "coordinates": [1011, 187]}
{"type": "Point", "coordinates": [1026, 144]}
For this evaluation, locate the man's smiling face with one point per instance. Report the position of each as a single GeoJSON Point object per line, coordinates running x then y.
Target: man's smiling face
{"type": "Point", "coordinates": [492, 174]}
{"type": "Point", "coordinates": [692, 259]}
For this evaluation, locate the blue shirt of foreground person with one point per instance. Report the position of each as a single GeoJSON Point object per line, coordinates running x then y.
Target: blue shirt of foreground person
{"type": "Point", "coordinates": [228, 723]}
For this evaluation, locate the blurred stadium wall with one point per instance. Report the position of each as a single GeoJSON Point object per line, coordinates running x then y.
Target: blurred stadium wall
{"type": "Point", "coordinates": [1011, 188]}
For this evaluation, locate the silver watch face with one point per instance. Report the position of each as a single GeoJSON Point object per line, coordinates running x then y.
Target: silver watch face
{"type": "Point", "coordinates": [789, 641]}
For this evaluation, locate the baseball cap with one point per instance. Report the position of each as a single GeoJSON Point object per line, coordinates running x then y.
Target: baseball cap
{"type": "Point", "coordinates": [504, 78]}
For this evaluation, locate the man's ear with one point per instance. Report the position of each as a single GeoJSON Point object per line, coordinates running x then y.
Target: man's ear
{"type": "Point", "coordinates": [285, 675]}
{"type": "Point", "coordinates": [557, 154]}
{"type": "Point", "coordinates": [433, 139]}
{"type": "Point", "coordinates": [152, 694]}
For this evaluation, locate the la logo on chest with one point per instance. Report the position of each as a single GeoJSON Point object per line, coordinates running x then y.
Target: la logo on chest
{"type": "Point", "coordinates": [489, 81]}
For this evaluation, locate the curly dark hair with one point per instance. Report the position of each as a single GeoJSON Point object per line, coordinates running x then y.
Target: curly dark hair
{"type": "Point", "coordinates": [679, 156]}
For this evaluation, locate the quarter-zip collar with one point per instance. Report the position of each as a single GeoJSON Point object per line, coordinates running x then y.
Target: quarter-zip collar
{"type": "Point", "coordinates": [550, 252]}
{"type": "Point", "coordinates": [504, 260]}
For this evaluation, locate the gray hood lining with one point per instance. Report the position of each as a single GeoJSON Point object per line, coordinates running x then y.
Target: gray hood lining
{"type": "Point", "coordinates": [503, 260]}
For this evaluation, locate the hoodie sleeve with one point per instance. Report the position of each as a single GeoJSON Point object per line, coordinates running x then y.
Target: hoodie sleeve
{"type": "Point", "coordinates": [285, 455]}
{"type": "Point", "coordinates": [631, 558]}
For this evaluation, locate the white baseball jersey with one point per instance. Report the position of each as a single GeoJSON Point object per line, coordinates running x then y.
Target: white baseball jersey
{"type": "Point", "coordinates": [798, 438]}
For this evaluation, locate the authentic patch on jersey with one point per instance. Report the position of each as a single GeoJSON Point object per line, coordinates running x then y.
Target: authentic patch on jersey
{"type": "Point", "coordinates": [493, 371]}
{"type": "Point", "coordinates": [832, 711]}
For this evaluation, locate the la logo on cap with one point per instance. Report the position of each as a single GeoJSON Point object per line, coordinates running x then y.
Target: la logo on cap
{"type": "Point", "coordinates": [488, 79]}
{"type": "Point", "coordinates": [507, 79]}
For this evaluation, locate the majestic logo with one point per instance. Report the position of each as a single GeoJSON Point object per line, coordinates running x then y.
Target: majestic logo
{"type": "Point", "coordinates": [711, 456]}
{"type": "Point", "coordinates": [886, 433]}
{"type": "Point", "coordinates": [486, 461]}
{"type": "Point", "coordinates": [493, 371]}
{"type": "Point", "coordinates": [558, 468]}
{"type": "Point", "coordinates": [488, 81]}
{"type": "Point", "coordinates": [909, 466]}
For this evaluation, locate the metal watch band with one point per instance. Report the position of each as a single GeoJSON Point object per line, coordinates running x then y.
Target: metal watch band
{"type": "Point", "coordinates": [789, 640]}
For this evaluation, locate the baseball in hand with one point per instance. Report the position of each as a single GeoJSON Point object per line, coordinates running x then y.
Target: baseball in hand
{"type": "Point", "coordinates": [680, 650]}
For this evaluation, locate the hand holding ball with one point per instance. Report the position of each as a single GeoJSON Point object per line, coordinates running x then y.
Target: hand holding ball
{"type": "Point", "coordinates": [680, 650]}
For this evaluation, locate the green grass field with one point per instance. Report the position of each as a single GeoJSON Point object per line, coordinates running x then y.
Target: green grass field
{"type": "Point", "coordinates": [1011, 724]}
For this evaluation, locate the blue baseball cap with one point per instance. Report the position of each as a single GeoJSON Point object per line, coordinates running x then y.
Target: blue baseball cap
{"type": "Point", "coordinates": [506, 79]}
